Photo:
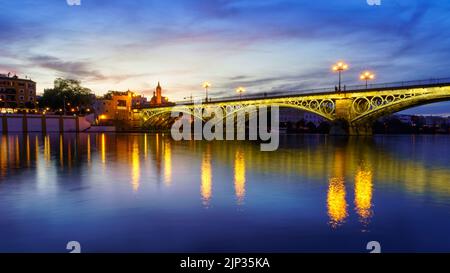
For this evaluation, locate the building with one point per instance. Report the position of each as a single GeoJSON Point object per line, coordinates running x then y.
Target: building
{"type": "Point", "coordinates": [16, 92]}
{"type": "Point", "coordinates": [114, 106]}
{"type": "Point", "coordinates": [407, 119]}
{"type": "Point", "coordinates": [139, 101]}
{"type": "Point", "coordinates": [158, 99]}
{"type": "Point", "coordinates": [435, 121]}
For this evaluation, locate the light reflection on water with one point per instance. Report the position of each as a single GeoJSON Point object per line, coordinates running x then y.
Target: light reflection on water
{"type": "Point", "coordinates": [145, 192]}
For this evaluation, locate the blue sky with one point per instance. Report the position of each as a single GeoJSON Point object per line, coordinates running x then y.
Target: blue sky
{"type": "Point", "coordinates": [264, 45]}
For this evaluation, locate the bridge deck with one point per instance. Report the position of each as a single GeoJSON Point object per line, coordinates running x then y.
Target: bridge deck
{"type": "Point", "coordinates": [330, 91]}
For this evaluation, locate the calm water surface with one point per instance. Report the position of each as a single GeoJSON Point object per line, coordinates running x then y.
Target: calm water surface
{"type": "Point", "coordinates": [147, 193]}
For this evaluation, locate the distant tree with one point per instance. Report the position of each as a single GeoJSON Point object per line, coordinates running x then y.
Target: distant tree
{"type": "Point", "coordinates": [323, 128]}
{"type": "Point", "coordinates": [378, 127]}
{"type": "Point", "coordinates": [301, 123]}
{"type": "Point", "coordinates": [69, 91]}
{"type": "Point", "coordinates": [311, 127]}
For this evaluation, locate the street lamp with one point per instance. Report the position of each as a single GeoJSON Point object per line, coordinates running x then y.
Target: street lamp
{"type": "Point", "coordinates": [206, 85]}
{"type": "Point", "coordinates": [367, 76]}
{"type": "Point", "coordinates": [240, 90]}
{"type": "Point", "coordinates": [340, 67]}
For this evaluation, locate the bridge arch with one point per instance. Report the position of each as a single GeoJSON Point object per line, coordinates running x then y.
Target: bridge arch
{"type": "Point", "coordinates": [370, 108]}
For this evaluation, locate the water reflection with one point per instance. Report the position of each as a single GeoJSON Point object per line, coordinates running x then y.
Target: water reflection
{"type": "Point", "coordinates": [103, 148]}
{"type": "Point", "coordinates": [336, 203]}
{"type": "Point", "coordinates": [167, 163]}
{"type": "Point", "coordinates": [136, 172]}
{"type": "Point", "coordinates": [336, 198]}
{"type": "Point", "coordinates": [239, 176]}
{"type": "Point", "coordinates": [206, 175]}
{"type": "Point", "coordinates": [347, 170]}
{"type": "Point", "coordinates": [363, 192]}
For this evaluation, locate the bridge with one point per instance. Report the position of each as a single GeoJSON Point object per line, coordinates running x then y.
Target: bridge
{"type": "Point", "coordinates": [351, 111]}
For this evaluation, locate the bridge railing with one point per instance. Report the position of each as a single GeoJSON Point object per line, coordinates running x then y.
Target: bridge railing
{"type": "Point", "coordinates": [351, 88]}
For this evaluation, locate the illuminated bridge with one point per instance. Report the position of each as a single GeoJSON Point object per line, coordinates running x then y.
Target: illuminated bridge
{"type": "Point", "coordinates": [351, 111]}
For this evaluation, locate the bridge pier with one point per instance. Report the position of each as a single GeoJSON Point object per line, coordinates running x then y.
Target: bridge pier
{"type": "Point", "coordinates": [361, 129]}
{"type": "Point", "coordinates": [342, 127]}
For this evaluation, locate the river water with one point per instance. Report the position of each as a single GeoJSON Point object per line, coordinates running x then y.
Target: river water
{"type": "Point", "coordinates": [148, 193]}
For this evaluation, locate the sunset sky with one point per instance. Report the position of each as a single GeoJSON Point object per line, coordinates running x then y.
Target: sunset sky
{"type": "Point", "coordinates": [264, 45]}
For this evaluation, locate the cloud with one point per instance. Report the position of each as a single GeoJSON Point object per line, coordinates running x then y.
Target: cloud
{"type": "Point", "coordinates": [265, 45]}
{"type": "Point", "coordinates": [67, 69]}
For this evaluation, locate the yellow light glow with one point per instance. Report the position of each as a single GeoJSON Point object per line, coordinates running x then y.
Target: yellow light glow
{"type": "Point", "coordinates": [240, 89]}
{"type": "Point", "coordinates": [103, 148]}
{"type": "Point", "coordinates": [239, 176]}
{"type": "Point", "coordinates": [206, 85]}
{"type": "Point", "coordinates": [340, 66]}
{"type": "Point", "coordinates": [167, 163]}
{"type": "Point", "coordinates": [4, 156]}
{"type": "Point", "coordinates": [61, 150]}
{"type": "Point", "coordinates": [135, 172]}
{"type": "Point", "coordinates": [336, 203]}
{"type": "Point", "coordinates": [89, 148]}
{"type": "Point", "coordinates": [47, 149]}
{"type": "Point", "coordinates": [206, 183]}
{"type": "Point", "coordinates": [363, 192]}
{"type": "Point", "coordinates": [367, 75]}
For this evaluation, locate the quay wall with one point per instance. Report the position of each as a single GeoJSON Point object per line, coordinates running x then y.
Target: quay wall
{"type": "Point", "coordinates": [12, 123]}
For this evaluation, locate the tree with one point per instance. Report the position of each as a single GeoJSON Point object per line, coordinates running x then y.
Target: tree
{"type": "Point", "coordinates": [69, 91]}
{"type": "Point", "coordinates": [324, 127]}
{"type": "Point", "coordinates": [311, 127]}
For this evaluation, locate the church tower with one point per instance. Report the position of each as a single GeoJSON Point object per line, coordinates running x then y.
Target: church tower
{"type": "Point", "coordinates": [158, 94]}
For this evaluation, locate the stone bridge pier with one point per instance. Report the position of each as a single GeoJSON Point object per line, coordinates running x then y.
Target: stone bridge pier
{"type": "Point", "coordinates": [343, 125]}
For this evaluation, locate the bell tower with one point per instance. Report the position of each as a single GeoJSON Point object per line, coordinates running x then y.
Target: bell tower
{"type": "Point", "coordinates": [158, 94]}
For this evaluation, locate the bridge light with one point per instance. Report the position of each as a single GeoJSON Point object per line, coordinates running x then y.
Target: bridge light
{"type": "Point", "coordinates": [240, 90]}
{"type": "Point", "coordinates": [367, 76]}
{"type": "Point", "coordinates": [206, 85]}
{"type": "Point", "coordinates": [340, 67]}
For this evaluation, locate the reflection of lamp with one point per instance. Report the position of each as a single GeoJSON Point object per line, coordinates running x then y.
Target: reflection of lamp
{"type": "Point", "coordinates": [206, 176]}
{"type": "Point", "coordinates": [336, 203]}
{"type": "Point", "coordinates": [363, 192]}
{"type": "Point", "coordinates": [239, 176]}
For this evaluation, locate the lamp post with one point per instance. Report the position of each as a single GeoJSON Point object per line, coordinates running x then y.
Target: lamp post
{"type": "Point", "coordinates": [340, 67]}
{"type": "Point", "coordinates": [367, 76]}
{"type": "Point", "coordinates": [240, 90]}
{"type": "Point", "coordinates": [206, 85]}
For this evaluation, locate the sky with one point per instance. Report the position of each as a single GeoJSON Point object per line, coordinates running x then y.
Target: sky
{"type": "Point", "coordinates": [262, 45]}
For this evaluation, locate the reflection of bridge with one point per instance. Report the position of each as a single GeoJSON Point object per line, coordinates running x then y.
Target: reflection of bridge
{"type": "Point", "coordinates": [344, 165]}
{"type": "Point", "coordinates": [352, 111]}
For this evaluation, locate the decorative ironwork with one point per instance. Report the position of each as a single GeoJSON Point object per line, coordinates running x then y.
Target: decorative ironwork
{"type": "Point", "coordinates": [360, 106]}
